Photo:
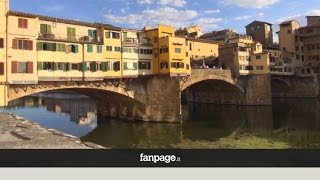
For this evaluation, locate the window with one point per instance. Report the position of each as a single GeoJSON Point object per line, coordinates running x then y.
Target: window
{"type": "Point", "coordinates": [259, 67]}
{"type": "Point", "coordinates": [125, 50]}
{"type": "Point", "coordinates": [22, 44]}
{"type": "Point", "coordinates": [135, 50]}
{"type": "Point", "coordinates": [164, 65]}
{"type": "Point", "coordinates": [258, 57]}
{"type": "Point", "coordinates": [289, 31]}
{"type": "Point", "coordinates": [250, 68]}
{"type": "Point", "coordinates": [92, 33]}
{"type": "Point", "coordinates": [89, 48]}
{"type": "Point", "coordinates": [130, 66]}
{"type": "Point", "coordinates": [49, 66]}
{"type": "Point", "coordinates": [116, 66]}
{"type": "Point", "coordinates": [242, 67]}
{"type": "Point", "coordinates": [109, 48]}
{"type": "Point", "coordinates": [177, 65]}
{"type": "Point", "coordinates": [74, 48]}
{"type": "Point", "coordinates": [178, 50]}
{"type": "Point", "coordinates": [190, 47]}
{"type": "Point", "coordinates": [99, 49]}
{"type": "Point", "coordinates": [75, 66]}
{"type": "Point", "coordinates": [164, 50]}
{"type": "Point", "coordinates": [156, 39]}
{"type": "Point", "coordinates": [1, 43]}
{"type": "Point", "coordinates": [23, 23]}
{"type": "Point", "coordinates": [188, 66]}
{"type": "Point", "coordinates": [71, 33]}
{"type": "Point", "coordinates": [113, 35]}
{"type": "Point", "coordinates": [21, 67]}
{"type": "Point", "coordinates": [93, 66]}
{"type": "Point", "coordinates": [45, 29]}
{"type": "Point", "coordinates": [44, 46]}
{"type": "Point", "coordinates": [144, 65]}
{"type": "Point", "coordinates": [117, 49]}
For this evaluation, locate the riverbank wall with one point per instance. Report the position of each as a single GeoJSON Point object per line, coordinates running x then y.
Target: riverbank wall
{"type": "Point", "coordinates": [19, 133]}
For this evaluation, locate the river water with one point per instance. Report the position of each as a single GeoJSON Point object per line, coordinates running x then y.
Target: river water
{"type": "Point", "coordinates": [289, 123]}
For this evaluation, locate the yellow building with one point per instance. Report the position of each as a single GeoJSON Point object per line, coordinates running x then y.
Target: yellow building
{"type": "Point", "coordinates": [190, 32]}
{"type": "Point", "coordinates": [201, 51]}
{"type": "Point", "coordinates": [112, 51]}
{"type": "Point", "coordinates": [169, 52]}
{"type": "Point", "coordinates": [4, 7]}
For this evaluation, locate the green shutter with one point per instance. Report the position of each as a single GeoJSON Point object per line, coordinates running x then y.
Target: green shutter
{"type": "Point", "coordinates": [90, 33]}
{"type": "Point", "coordinates": [95, 34]}
{"type": "Point", "coordinates": [54, 47]}
{"type": "Point", "coordinates": [76, 49]}
{"type": "Point", "coordinates": [125, 66]}
{"type": "Point", "coordinates": [43, 28]}
{"type": "Point", "coordinates": [68, 66]}
{"type": "Point", "coordinates": [135, 66]}
{"type": "Point", "coordinates": [63, 48]}
{"type": "Point", "coordinates": [49, 29]}
{"type": "Point", "coordinates": [55, 66]}
{"type": "Point", "coordinates": [39, 46]}
{"type": "Point", "coordinates": [84, 67]}
{"type": "Point", "coordinates": [104, 66]}
{"type": "Point", "coordinates": [40, 66]}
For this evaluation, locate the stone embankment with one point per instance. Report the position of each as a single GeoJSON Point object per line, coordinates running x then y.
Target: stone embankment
{"type": "Point", "coordinates": [19, 133]}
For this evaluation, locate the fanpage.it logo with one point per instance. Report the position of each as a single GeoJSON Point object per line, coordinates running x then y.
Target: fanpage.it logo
{"type": "Point", "coordinates": [159, 158]}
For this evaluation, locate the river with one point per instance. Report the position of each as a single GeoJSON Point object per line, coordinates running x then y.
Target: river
{"type": "Point", "coordinates": [288, 124]}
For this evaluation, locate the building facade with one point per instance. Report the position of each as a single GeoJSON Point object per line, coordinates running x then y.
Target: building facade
{"type": "Point", "coordinates": [243, 56]}
{"type": "Point", "coordinates": [222, 36]}
{"type": "Point", "coordinates": [261, 32]}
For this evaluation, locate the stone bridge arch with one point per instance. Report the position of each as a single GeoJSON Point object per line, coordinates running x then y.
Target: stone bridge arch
{"type": "Point", "coordinates": [211, 74]}
{"type": "Point", "coordinates": [19, 91]}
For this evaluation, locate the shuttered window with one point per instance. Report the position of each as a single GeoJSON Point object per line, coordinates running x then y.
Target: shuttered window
{"type": "Point", "coordinates": [104, 66]}
{"type": "Point", "coordinates": [89, 48]}
{"type": "Point", "coordinates": [22, 44]}
{"type": "Point", "coordinates": [92, 33]}
{"type": "Point", "coordinates": [21, 67]}
{"type": "Point", "coordinates": [116, 66]}
{"type": "Point", "coordinates": [1, 68]}
{"type": "Point", "coordinates": [71, 33]}
{"type": "Point", "coordinates": [23, 23]}
{"type": "Point", "coordinates": [45, 29]}
{"type": "Point", "coordinates": [99, 49]}
{"type": "Point", "coordinates": [1, 43]}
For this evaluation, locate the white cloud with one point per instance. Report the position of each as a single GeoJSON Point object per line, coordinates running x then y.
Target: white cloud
{"type": "Point", "coordinates": [292, 17]}
{"type": "Point", "coordinates": [314, 12]}
{"type": "Point", "coordinates": [208, 23]}
{"type": "Point", "coordinates": [261, 14]}
{"type": "Point", "coordinates": [242, 17]}
{"type": "Point", "coordinates": [57, 7]}
{"type": "Point", "coordinates": [250, 3]}
{"type": "Point", "coordinates": [212, 11]}
{"type": "Point", "coordinates": [177, 3]}
{"type": "Point", "coordinates": [164, 15]}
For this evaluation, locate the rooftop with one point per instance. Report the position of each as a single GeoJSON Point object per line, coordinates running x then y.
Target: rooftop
{"type": "Point", "coordinates": [65, 21]}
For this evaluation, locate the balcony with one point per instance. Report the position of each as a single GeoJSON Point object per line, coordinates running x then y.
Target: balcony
{"type": "Point", "coordinates": [75, 39]}
{"type": "Point", "coordinates": [130, 41]}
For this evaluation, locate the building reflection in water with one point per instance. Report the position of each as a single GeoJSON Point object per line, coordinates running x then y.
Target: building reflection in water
{"type": "Point", "coordinates": [81, 110]}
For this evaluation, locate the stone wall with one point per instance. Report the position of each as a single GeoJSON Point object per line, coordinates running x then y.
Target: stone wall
{"type": "Point", "coordinates": [294, 86]}
{"type": "Point", "coordinates": [258, 89]}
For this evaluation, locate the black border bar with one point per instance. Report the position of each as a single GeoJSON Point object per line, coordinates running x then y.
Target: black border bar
{"type": "Point", "coordinates": [185, 158]}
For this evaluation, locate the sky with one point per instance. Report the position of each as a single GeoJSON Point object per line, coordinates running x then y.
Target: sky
{"type": "Point", "coordinates": [209, 14]}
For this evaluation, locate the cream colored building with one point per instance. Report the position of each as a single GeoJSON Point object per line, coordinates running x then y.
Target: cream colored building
{"type": "Point", "coordinates": [244, 56]}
